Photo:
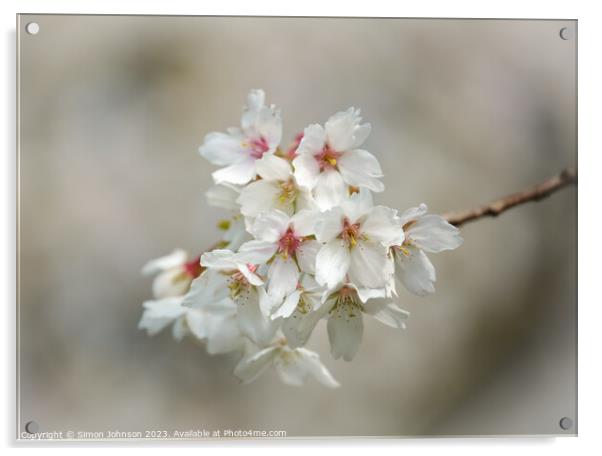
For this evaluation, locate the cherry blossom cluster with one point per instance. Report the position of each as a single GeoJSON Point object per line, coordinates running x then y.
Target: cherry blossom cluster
{"type": "Point", "coordinates": [304, 242]}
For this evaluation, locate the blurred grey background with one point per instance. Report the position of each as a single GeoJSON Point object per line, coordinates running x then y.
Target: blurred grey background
{"type": "Point", "coordinates": [113, 110]}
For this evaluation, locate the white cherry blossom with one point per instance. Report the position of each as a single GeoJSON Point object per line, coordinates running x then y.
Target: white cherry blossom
{"type": "Point", "coordinates": [346, 307]}
{"type": "Point", "coordinates": [239, 148]}
{"type": "Point", "coordinates": [276, 189]}
{"type": "Point", "coordinates": [356, 237]}
{"type": "Point", "coordinates": [161, 313]}
{"type": "Point", "coordinates": [302, 310]}
{"type": "Point", "coordinates": [286, 246]}
{"type": "Point", "coordinates": [237, 276]}
{"type": "Point", "coordinates": [328, 159]}
{"type": "Point", "coordinates": [174, 273]}
{"type": "Point", "coordinates": [293, 366]}
{"type": "Point", "coordinates": [224, 196]}
{"type": "Point", "coordinates": [302, 243]}
{"type": "Point", "coordinates": [423, 233]}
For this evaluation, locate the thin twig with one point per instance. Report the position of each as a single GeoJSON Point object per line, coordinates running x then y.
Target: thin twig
{"type": "Point", "coordinates": [567, 177]}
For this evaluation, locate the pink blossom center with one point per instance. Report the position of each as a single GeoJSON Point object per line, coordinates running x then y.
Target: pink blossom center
{"type": "Point", "coordinates": [258, 147]}
{"type": "Point", "coordinates": [346, 292]}
{"type": "Point", "coordinates": [351, 232]}
{"type": "Point", "coordinates": [193, 267]}
{"type": "Point", "coordinates": [289, 243]}
{"type": "Point", "coordinates": [291, 153]}
{"type": "Point", "coordinates": [328, 158]}
{"type": "Point", "coordinates": [240, 277]}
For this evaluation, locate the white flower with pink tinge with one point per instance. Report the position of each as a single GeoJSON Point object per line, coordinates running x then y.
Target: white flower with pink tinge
{"type": "Point", "coordinates": [239, 148]}
{"type": "Point", "coordinates": [328, 160]}
{"type": "Point", "coordinates": [174, 272]}
{"type": "Point", "coordinates": [345, 307]}
{"type": "Point", "coordinates": [293, 366]}
{"type": "Point", "coordinates": [356, 238]}
{"type": "Point", "coordinates": [276, 189]}
{"type": "Point", "coordinates": [284, 244]}
{"type": "Point", "coordinates": [423, 233]}
{"type": "Point", "coordinates": [235, 275]}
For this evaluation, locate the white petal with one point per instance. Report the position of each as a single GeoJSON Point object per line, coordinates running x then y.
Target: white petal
{"type": "Point", "coordinates": [221, 149]}
{"type": "Point", "coordinates": [270, 226]}
{"type": "Point", "coordinates": [358, 205]}
{"type": "Point", "coordinates": [305, 201]}
{"type": "Point", "coordinates": [309, 284]}
{"type": "Point", "coordinates": [251, 367]}
{"type": "Point", "coordinates": [332, 263]}
{"type": "Point", "coordinates": [251, 277]}
{"type": "Point", "coordinates": [255, 100]}
{"type": "Point", "coordinates": [219, 259]}
{"type": "Point", "coordinates": [225, 336]}
{"type": "Point", "coordinates": [290, 368]}
{"type": "Point", "coordinates": [179, 329]}
{"type": "Point", "coordinates": [260, 120]}
{"type": "Point", "coordinates": [298, 327]}
{"type": "Point", "coordinates": [387, 313]}
{"type": "Point", "coordinates": [236, 234]}
{"type": "Point", "coordinates": [153, 325]}
{"type": "Point", "coordinates": [416, 272]}
{"type": "Point", "coordinates": [165, 308]}
{"type": "Point", "coordinates": [196, 321]}
{"type": "Point", "coordinates": [307, 171]}
{"type": "Point", "coordinates": [238, 173]}
{"type": "Point", "coordinates": [273, 168]}
{"type": "Point", "coordinates": [252, 323]}
{"type": "Point", "coordinates": [434, 234]}
{"type": "Point", "coordinates": [316, 368]}
{"type": "Point", "coordinates": [329, 225]}
{"type": "Point", "coordinates": [412, 213]}
{"type": "Point", "coordinates": [313, 141]}
{"type": "Point", "coordinates": [288, 306]}
{"type": "Point", "coordinates": [207, 291]}
{"type": "Point", "coordinates": [174, 259]}
{"type": "Point", "coordinates": [223, 196]}
{"type": "Point", "coordinates": [284, 277]}
{"type": "Point", "coordinates": [382, 225]}
{"type": "Point", "coordinates": [366, 294]}
{"type": "Point", "coordinates": [304, 222]}
{"type": "Point", "coordinates": [344, 131]}
{"type": "Point", "coordinates": [159, 314]}
{"type": "Point", "coordinates": [268, 124]}
{"type": "Point", "coordinates": [361, 169]}
{"type": "Point", "coordinates": [369, 265]}
{"type": "Point", "coordinates": [173, 282]}
{"type": "Point", "coordinates": [330, 190]}
{"type": "Point", "coordinates": [306, 255]}
{"type": "Point", "coordinates": [267, 304]}
{"type": "Point", "coordinates": [345, 332]}
{"type": "Point", "coordinates": [257, 197]}
{"type": "Point", "coordinates": [256, 252]}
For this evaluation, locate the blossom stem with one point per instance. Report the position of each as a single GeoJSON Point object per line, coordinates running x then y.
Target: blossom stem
{"type": "Point", "coordinates": [542, 190]}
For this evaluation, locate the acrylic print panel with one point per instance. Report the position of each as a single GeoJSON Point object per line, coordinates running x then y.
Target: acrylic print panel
{"type": "Point", "coordinates": [112, 113]}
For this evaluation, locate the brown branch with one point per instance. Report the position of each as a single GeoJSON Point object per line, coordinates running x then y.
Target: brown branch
{"type": "Point", "coordinates": [542, 190]}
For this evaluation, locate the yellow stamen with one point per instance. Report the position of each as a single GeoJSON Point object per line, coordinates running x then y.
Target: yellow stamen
{"type": "Point", "coordinates": [331, 160]}
{"type": "Point", "coordinates": [404, 250]}
{"type": "Point", "coordinates": [223, 224]}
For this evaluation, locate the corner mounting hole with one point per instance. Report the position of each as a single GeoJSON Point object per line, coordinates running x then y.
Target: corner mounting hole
{"type": "Point", "coordinates": [32, 427]}
{"type": "Point", "coordinates": [32, 28]}
{"type": "Point", "coordinates": [566, 423]}
{"type": "Point", "coordinates": [566, 33]}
